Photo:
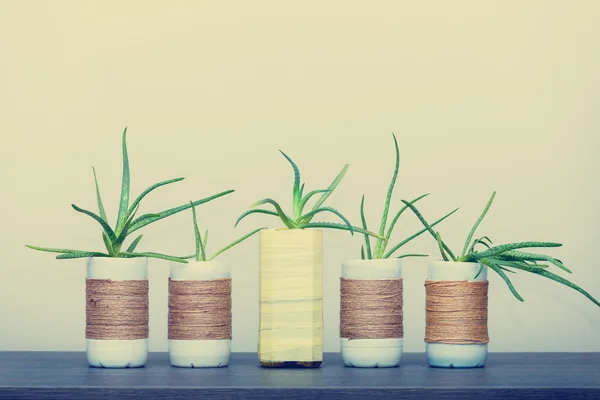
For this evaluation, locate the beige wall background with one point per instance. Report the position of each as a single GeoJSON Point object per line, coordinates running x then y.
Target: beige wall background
{"type": "Point", "coordinates": [483, 96]}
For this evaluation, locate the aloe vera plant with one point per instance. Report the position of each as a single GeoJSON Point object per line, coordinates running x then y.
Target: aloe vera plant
{"type": "Point", "coordinates": [503, 258]}
{"type": "Point", "coordinates": [201, 243]}
{"type": "Point", "coordinates": [379, 251]}
{"type": "Point", "coordinates": [126, 223]}
{"type": "Point", "coordinates": [303, 220]}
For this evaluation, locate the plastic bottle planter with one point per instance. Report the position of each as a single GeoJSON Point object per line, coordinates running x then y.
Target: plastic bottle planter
{"type": "Point", "coordinates": [117, 312]}
{"type": "Point", "coordinates": [199, 314]}
{"type": "Point", "coordinates": [371, 329]}
{"type": "Point", "coordinates": [456, 313]}
{"type": "Point", "coordinates": [291, 298]}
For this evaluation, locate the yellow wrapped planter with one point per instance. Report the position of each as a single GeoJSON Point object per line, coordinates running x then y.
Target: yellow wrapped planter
{"type": "Point", "coordinates": [291, 298]}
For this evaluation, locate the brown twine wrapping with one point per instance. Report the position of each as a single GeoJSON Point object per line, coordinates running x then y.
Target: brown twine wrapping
{"type": "Point", "coordinates": [371, 309]}
{"type": "Point", "coordinates": [116, 310]}
{"type": "Point", "coordinates": [456, 312]}
{"type": "Point", "coordinates": [200, 310]}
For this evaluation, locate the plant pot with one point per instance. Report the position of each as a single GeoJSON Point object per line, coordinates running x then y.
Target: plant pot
{"type": "Point", "coordinates": [199, 314]}
{"type": "Point", "coordinates": [291, 298]}
{"type": "Point", "coordinates": [371, 337]}
{"type": "Point", "coordinates": [470, 353]}
{"type": "Point", "coordinates": [117, 312]}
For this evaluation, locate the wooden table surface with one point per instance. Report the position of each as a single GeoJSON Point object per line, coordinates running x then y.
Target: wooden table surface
{"type": "Point", "coordinates": [66, 375]}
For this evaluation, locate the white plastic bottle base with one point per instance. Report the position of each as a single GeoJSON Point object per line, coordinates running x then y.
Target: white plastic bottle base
{"type": "Point", "coordinates": [456, 355]}
{"type": "Point", "coordinates": [117, 353]}
{"type": "Point", "coordinates": [445, 355]}
{"type": "Point", "coordinates": [371, 353]}
{"type": "Point", "coordinates": [199, 353]}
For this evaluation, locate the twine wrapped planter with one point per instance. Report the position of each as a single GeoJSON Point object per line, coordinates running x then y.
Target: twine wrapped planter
{"type": "Point", "coordinates": [117, 312]}
{"type": "Point", "coordinates": [371, 329]}
{"type": "Point", "coordinates": [291, 298]}
{"type": "Point", "coordinates": [456, 332]}
{"type": "Point", "coordinates": [199, 314]}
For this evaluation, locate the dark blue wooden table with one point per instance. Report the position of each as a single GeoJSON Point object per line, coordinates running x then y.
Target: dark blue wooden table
{"type": "Point", "coordinates": [66, 375]}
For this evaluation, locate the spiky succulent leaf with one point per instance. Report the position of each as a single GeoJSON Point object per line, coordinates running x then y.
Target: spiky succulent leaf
{"type": "Point", "coordinates": [515, 255]}
{"type": "Point", "coordinates": [284, 218]}
{"type": "Point", "coordinates": [413, 255]}
{"type": "Point", "coordinates": [107, 229]}
{"type": "Point", "coordinates": [504, 277]}
{"type": "Point", "coordinates": [137, 201]}
{"type": "Point", "coordinates": [331, 187]}
{"type": "Point", "coordinates": [333, 225]}
{"type": "Point", "coordinates": [255, 211]}
{"type": "Point", "coordinates": [82, 254]}
{"type": "Point", "coordinates": [197, 234]}
{"type": "Point", "coordinates": [363, 220]}
{"type": "Point", "coordinates": [547, 274]}
{"type": "Point", "coordinates": [154, 255]}
{"type": "Point", "coordinates": [310, 194]}
{"type": "Point", "coordinates": [296, 196]}
{"type": "Point", "coordinates": [55, 250]}
{"type": "Point", "coordinates": [142, 221]}
{"type": "Point", "coordinates": [419, 233]}
{"type": "Point", "coordinates": [241, 239]}
{"type": "Point", "coordinates": [498, 250]}
{"type": "Point", "coordinates": [134, 244]}
{"type": "Point", "coordinates": [310, 214]}
{"type": "Point", "coordinates": [125, 183]}
{"type": "Point", "coordinates": [474, 228]}
{"type": "Point", "coordinates": [440, 243]}
{"type": "Point", "coordinates": [388, 197]}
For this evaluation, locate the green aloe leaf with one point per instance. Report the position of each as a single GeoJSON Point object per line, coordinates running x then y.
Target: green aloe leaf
{"type": "Point", "coordinates": [82, 254]}
{"type": "Point", "coordinates": [479, 241]}
{"type": "Point", "coordinates": [310, 214]}
{"type": "Point", "coordinates": [479, 271]}
{"type": "Point", "coordinates": [142, 221]}
{"type": "Point", "coordinates": [504, 277]}
{"type": "Point", "coordinates": [547, 274]}
{"type": "Point", "coordinates": [428, 227]}
{"type": "Point", "coordinates": [200, 255]}
{"type": "Point", "coordinates": [134, 244]}
{"type": "Point", "coordinates": [470, 237]}
{"type": "Point", "coordinates": [419, 233]}
{"type": "Point", "coordinates": [362, 252]}
{"type": "Point", "coordinates": [331, 187]}
{"type": "Point", "coordinates": [55, 250]}
{"type": "Point", "coordinates": [388, 198]}
{"type": "Point", "coordinates": [310, 194]}
{"type": "Point", "coordinates": [125, 231]}
{"type": "Point", "coordinates": [515, 255]}
{"type": "Point", "coordinates": [332, 225]}
{"type": "Point", "coordinates": [108, 244]}
{"type": "Point", "coordinates": [413, 255]}
{"type": "Point", "coordinates": [246, 236]}
{"type": "Point", "coordinates": [364, 225]}
{"type": "Point", "coordinates": [255, 211]}
{"type": "Point", "coordinates": [284, 218]}
{"type": "Point", "coordinates": [107, 229]}
{"type": "Point", "coordinates": [154, 255]}
{"type": "Point", "coordinates": [99, 198]}
{"type": "Point", "coordinates": [399, 214]}
{"type": "Point", "coordinates": [205, 240]}
{"type": "Point", "coordinates": [296, 191]}
{"type": "Point", "coordinates": [498, 250]}
{"type": "Point", "coordinates": [137, 201]}
{"type": "Point", "coordinates": [440, 243]}
{"type": "Point", "coordinates": [125, 183]}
